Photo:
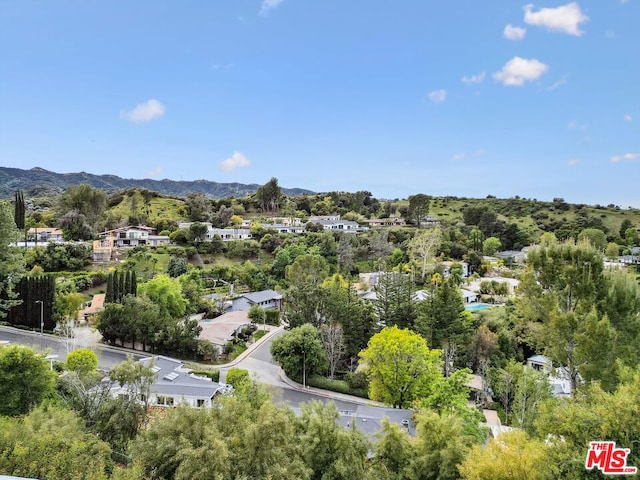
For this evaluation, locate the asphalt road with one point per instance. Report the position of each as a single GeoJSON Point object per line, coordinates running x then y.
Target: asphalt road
{"type": "Point", "coordinates": [50, 344]}
{"type": "Point", "coordinates": [258, 362]}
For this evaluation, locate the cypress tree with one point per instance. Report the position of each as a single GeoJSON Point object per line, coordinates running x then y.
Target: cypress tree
{"type": "Point", "coordinates": [116, 287]}
{"type": "Point", "coordinates": [127, 283]}
{"type": "Point", "coordinates": [19, 215]}
{"type": "Point", "coordinates": [109, 295]}
{"type": "Point", "coordinates": [134, 283]}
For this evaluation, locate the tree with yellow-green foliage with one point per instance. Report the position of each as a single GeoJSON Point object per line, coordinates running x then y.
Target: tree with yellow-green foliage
{"type": "Point", "coordinates": [400, 366]}
{"type": "Point", "coordinates": [511, 455]}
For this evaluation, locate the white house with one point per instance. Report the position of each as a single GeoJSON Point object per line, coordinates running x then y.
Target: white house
{"type": "Point", "coordinates": [558, 377]}
{"type": "Point", "coordinates": [132, 237]}
{"type": "Point", "coordinates": [469, 296]}
{"type": "Point", "coordinates": [175, 384]}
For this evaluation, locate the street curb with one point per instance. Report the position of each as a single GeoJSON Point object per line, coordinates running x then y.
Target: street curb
{"type": "Point", "coordinates": [330, 394]}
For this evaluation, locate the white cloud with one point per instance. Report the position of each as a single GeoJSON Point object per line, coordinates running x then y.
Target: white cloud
{"type": "Point", "coordinates": [611, 35]}
{"type": "Point", "coordinates": [438, 96]}
{"type": "Point", "coordinates": [156, 172]}
{"type": "Point", "coordinates": [558, 84]}
{"type": "Point", "coordinates": [144, 112]}
{"type": "Point", "coordinates": [459, 156]}
{"type": "Point", "coordinates": [573, 162]}
{"type": "Point", "coordinates": [470, 80]}
{"type": "Point", "coordinates": [626, 156]}
{"type": "Point", "coordinates": [268, 5]}
{"type": "Point", "coordinates": [518, 70]}
{"type": "Point", "coordinates": [514, 33]}
{"type": "Point", "coordinates": [628, 118]}
{"type": "Point", "coordinates": [574, 125]}
{"type": "Point", "coordinates": [565, 19]}
{"type": "Point", "coordinates": [237, 160]}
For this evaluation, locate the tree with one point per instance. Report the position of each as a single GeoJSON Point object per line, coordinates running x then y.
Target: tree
{"type": "Point", "coordinates": [11, 261]}
{"type": "Point", "coordinates": [332, 339]}
{"type": "Point", "coordinates": [442, 445]}
{"type": "Point", "coordinates": [66, 307]}
{"type": "Point", "coordinates": [476, 238]}
{"type": "Point", "coordinates": [87, 201]}
{"type": "Point", "coordinates": [624, 226]}
{"type": "Point", "coordinates": [423, 248]}
{"type": "Point", "coordinates": [400, 366]}
{"type": "Point", "coordinates": [329, 450]}
{"type": "Point", "coordinates": [177, 266]}
{"type": "Point", "coordinates": [52, 443]}
{"type": "Point", "coordinates": [345, 253]}
{"type": "Point", "coordinates": [19, 215]}
{"type": "Point", "coordinates": [596, 238]}
{"type": "Point", "coordinates": [307, 269]}
{"type": "Point", "coordinates": [561, 290]}
{"type": "Point", "coordinates": [198, 207]}
{"type": "Point", "coordinates": [246, 437]}
{"type": "Point", "coordinates": [394, 302]}
{"type": "Point", "coordinates": [511, 455]}
{"type": "Point", "coordinates": [198, 232]}
{"type": "Point", "coordinates": [269, 195]}
{"type": "Point", "coordinates": [632, 237]}
{"type": "Point", "coordinates": [444, 322]}
{"type": "Point", "coordinates": [83, 361]}
{"type": "Point", "coordinates": [491, 245]}
{"type": "Point", "coordinates": [612, 251]}
{"type": "Point", "coordinates": [25, 379]}
{"type": "Point", "coordinates": [167, 293]}
{"type": "Point", "coordinates": [418, 208]}
{"type": "Point", "coordinates": [570, 424]}
{"type": "Point", "coordinates": [300, 352]}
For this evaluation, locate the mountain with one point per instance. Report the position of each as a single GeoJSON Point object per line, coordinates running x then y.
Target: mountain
{"type": "Point", "coordinates": [41, 182]}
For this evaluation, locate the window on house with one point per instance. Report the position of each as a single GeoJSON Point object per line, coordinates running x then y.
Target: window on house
{"type": "Point", "coordinates": [200, 402]}
{"type": "Point", "coordinates": [162, 400]}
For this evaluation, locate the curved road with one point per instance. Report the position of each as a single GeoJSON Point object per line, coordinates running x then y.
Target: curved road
{"type": "Point", "coordinates": [50, 344]}
{"type": "Point", "coordinates": [258, 362]}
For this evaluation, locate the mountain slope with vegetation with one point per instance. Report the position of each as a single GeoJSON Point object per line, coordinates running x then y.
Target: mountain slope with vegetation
{"type": "Point", "coordinates": [40, 182]}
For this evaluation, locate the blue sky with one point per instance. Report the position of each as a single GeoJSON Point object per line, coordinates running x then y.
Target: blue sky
{"type": "Point", "coordinates": [455, 97]}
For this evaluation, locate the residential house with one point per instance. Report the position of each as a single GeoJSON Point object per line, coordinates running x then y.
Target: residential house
{"type": "Point", "coordinates": [267, 299]}
{"type": "Point", "coordinates": [45, 235]}
{"type": "Point", "coordinates": [175, 384]}
{"type": "Point", "coordinates": [342, 226]}
{"type": "Point", "coordinates": [446, 268]}
{"type": "Point", "coordinates": [368, 419]}
{"type": "Point", "coordinates": [469, 296]}
{"type": "Point", "coordinates": [558, 377]}
{"type": "Point", "coordinates": [512, 256]}
{"type": "Point", "coordinates": [221, 330]}
{"type": "Point", "coordinates": [386, 222]}
{"type": "Point", "coordinates": [91, 308]}
{"type": "Point", "coordinates": [124, 237]}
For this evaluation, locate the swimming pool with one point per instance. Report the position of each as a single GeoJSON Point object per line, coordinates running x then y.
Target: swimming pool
{"type": "Point", "coordinates": [477, 306]}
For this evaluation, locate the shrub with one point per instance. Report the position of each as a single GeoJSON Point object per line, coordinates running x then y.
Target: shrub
{"type": "Point", "coordinates": [272, 317]}
{"type": "Point", "coordinates": [237, 376]}
{"type": "Point", "coordinates": [212, 374]}
{"type": "Point", "coordinates": [340, 386]}
{"type": "Point", "coordinates": [357, 380]}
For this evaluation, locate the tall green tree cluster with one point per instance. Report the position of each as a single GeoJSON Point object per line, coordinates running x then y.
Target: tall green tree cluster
{"type": "Point", "coordinates": [30, 291]}
{"type": "Point", "coordinates": [585, 319]}
{"type": "Point", "coordinates": [11, 260]}
{"type": "Point", "coordinates": [121, 284]}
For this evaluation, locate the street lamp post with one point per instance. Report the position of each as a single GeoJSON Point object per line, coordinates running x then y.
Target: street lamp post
{"type": "Point", "coordinates": [41, 316]}
{"type": "Point", "coordinates": [304, 369]}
